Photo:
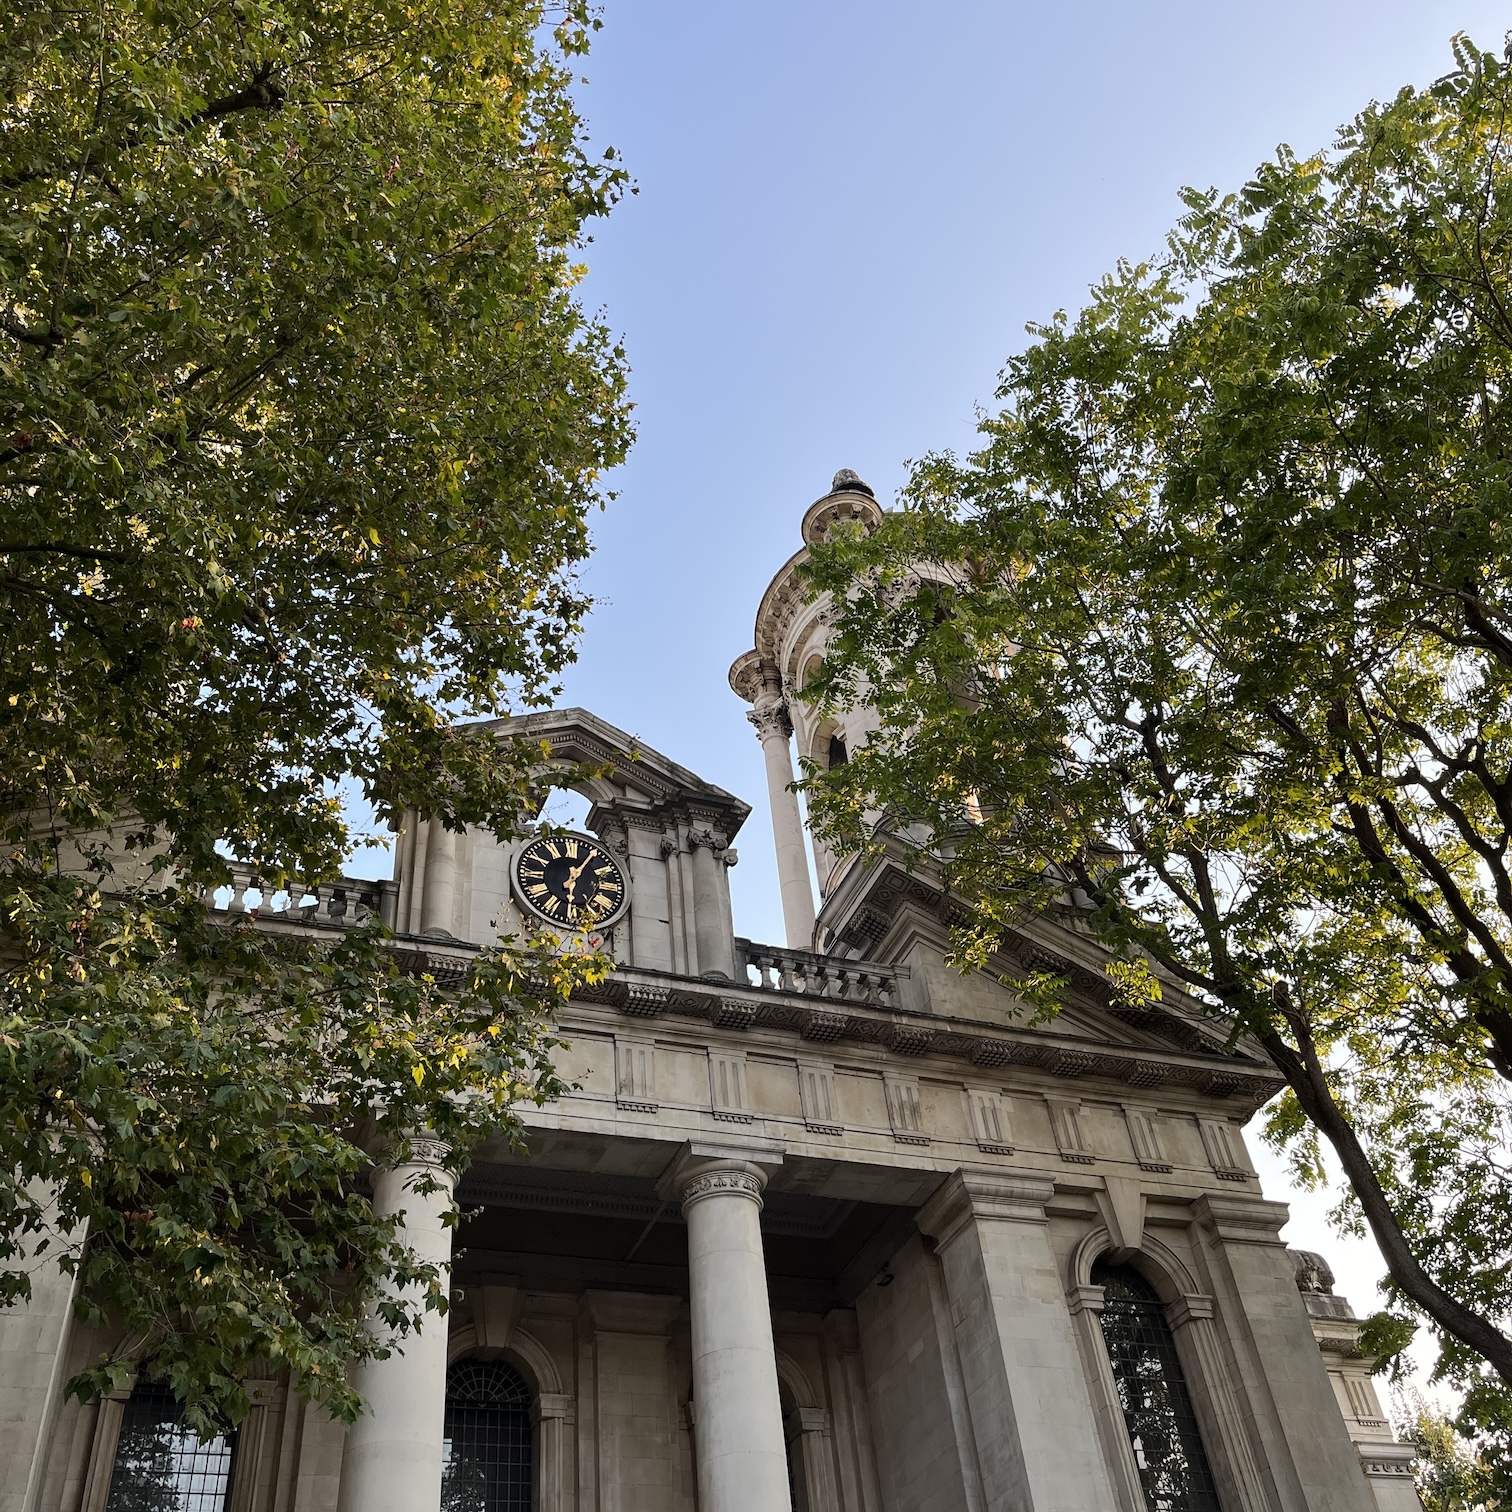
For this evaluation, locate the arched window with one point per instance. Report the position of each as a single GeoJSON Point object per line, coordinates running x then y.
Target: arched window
{"type": "Point", "coordinates": [486, 1453]}
{"type": "Point", "coordinates": [1157, 1409]}
{"type": "Point", "coordinates": [838, 755]}
{"type": "Point", "coordinates": [162, 1466]}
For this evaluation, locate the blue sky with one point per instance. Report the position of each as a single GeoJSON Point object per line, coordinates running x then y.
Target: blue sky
{"type": "Point", "coordinates": [848, 211]}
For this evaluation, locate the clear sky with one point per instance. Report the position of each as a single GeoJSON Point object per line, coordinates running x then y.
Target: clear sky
{"type": "Point", "coordinates": [847, 211]}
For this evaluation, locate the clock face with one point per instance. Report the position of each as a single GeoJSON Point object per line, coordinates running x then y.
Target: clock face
{"type": "Point", "coordinates": [571, 881]}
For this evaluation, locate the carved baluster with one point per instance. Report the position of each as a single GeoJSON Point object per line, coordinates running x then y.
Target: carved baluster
{"type": "Point", "coordinates": [762, 962]}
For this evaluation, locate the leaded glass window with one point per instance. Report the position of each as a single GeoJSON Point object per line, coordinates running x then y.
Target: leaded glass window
{"type": "Point", "coordinates": [162, 1466]}
{"type": "Point", "coordinates": [1157, 1408]}
{"type": "Point", "coordinates": [486, 1453]}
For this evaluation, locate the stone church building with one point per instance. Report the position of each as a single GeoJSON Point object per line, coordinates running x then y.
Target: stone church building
{"type": "Point", "coordinates": [824, 1225]}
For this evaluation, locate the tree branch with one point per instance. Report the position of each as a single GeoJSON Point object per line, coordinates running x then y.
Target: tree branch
{"type": "Point", "coordinates": [1304, 1074]}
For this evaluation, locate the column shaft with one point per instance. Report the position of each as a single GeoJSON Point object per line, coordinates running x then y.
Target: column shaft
{"type": "Point", "coordinates": [771, 721]}
{"type": "Point", "coordinates": [742, 1460]}
{"type": "Point", "coordinates": [438, 902]}
{"type": "Point", "coordinates": [392, 1458]}
{"type": "Point", "coordinates": [712, 943]}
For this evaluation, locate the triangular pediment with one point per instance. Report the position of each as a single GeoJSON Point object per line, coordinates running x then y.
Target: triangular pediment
{"type": "Point", "coordinates": [626, 773]}
{"type": "Point", "coordinates": [883, 909]}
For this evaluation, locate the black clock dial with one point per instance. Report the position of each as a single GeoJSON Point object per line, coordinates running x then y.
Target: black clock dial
{"type": "Point", "coordinates": [571, 881]}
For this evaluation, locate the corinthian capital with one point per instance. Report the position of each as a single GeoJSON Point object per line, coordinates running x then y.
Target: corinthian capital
{"type": "Point", "coordinates": [770, 716]}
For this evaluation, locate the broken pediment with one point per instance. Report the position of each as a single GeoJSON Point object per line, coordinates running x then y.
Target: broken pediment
{"type": "Point", "coordinates": [622, 776]}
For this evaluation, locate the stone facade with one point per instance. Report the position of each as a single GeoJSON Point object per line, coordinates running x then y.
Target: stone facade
{"type": "Point", "coordinates": [821, 1224]}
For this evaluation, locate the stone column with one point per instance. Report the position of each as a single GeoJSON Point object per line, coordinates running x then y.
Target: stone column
{"type": "Point", "coordinates": [713, 944]}
{"type": "Point", "coordinates": [742, 1460]}
{"type": "Point", "coordinates": [438, 900]}
{"type": "Point", "coordinates": [1025, 1387]}
{"type": "Point", "coordinates": [774, 729]}
{"type": "Point", "coordinates": [392, 1458]}
{"type": "Point", "coordinates": [1086, 1305]}
{"type": "Point", "coordinates": [251, 1472]}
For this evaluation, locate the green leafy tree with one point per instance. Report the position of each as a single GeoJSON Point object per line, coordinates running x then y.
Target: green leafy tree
{"type": "Point", "coordinates": [1209, 646]}
{"type": "Point", "coordinates": [1450, 1474]}
{"type": "Point", "coordinates": [301, 421]}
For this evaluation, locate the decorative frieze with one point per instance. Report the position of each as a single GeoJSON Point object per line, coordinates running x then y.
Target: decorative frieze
{"type": "Point", "coordinates": [1385, 1461]}
{"type": "Point", "coordinates": [1144, 1135]}
{"type": "Point", "coordinates": [635, 1075]}
{"type": "Point", "coordinates": [816, 1094]}
{"type": "Point", "coordinates": [1070, 1062]}
{"type": "Point", "coordinates": [1218, 1142]}
{"type": "Point", "coordinates": [991, 1052]}
{"type": "Point", "coordinates": [908, 1039]}
{"type": "Point", "coordinates": [905, 1110]}
{"type": "Point", "coordinates": [1070, 1133]}
{"type": "Point", "coordinates": [823, 1027]}
{"type": "Point", "coordinates": [727, 1086]}
{"type": "Point", "coordinates": [856, 1002]}
{"type": "Point", "coordinates": [989, 1122]}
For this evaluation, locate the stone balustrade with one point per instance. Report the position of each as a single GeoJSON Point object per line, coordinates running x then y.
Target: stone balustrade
{"type": "Point", "coordinates": [344, 902]}
{"type": "Point", "coordinates": [777, 968]}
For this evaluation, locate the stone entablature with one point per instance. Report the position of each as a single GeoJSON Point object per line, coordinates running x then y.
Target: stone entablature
{"type": "Point", "coordinates": [1239, 1086]}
